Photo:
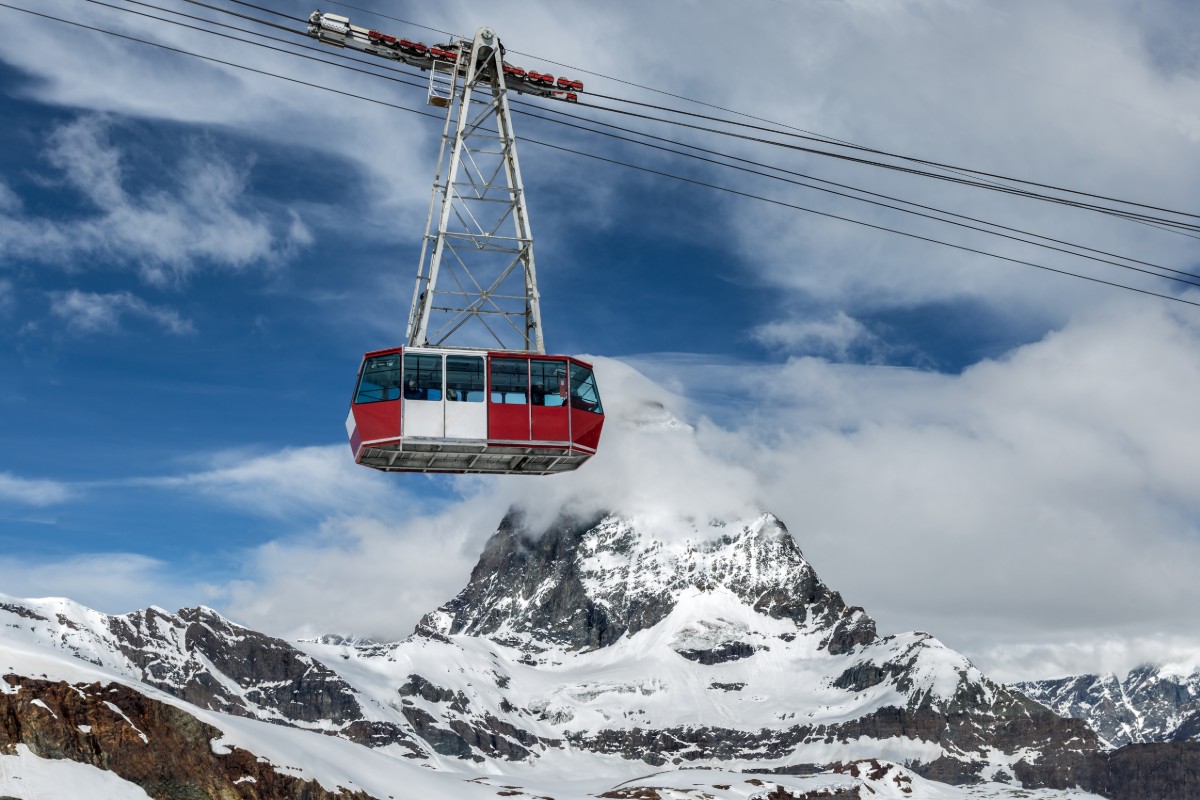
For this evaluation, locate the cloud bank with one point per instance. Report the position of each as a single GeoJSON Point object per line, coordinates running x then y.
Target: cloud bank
{"type": "Point", "coordinates": [1027, 511]}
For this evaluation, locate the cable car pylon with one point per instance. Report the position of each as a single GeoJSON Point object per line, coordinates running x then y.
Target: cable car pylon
{"type": "Point", "coordinates": [473, 389]}
{"type": "Point", "coordinates": [482, 240]}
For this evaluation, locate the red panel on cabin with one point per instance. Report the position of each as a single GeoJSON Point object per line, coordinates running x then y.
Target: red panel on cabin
{"type": "Point", "coordinates": [508, 421]}
{"type": "Point", "coordinates": [585, 427]}
{"type": "Point", "coordinates": [551, 424]}
{"type": "Point", "coordinates": [377, 420]}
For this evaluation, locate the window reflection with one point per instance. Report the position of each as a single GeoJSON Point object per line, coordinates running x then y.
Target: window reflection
{"type": "Point", "coordinates": [464, 379]}
{"type": "Point", "coordinates": [584, 394]}
{"type": "Point", "coordinates": [422, 376]}
{"type": "Point", "coordinates": [548, 383]}
{"type": "Point", "coordinates": [510, 380]}
{"type": "Point", "coordinates": [380, 379]}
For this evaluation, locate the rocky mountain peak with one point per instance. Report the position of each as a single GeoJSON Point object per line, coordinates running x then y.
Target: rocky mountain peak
{"type": "Point", "coordinates": [585, 583]}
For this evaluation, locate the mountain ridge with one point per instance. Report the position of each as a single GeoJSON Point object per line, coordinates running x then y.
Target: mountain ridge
{"type": "Point", "coordinates": [1151, 704]}
{"type": "Point", "coordinates": [607, 644]}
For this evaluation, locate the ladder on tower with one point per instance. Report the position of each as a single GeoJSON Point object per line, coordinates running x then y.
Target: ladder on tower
{"type": "Point", "coordinates": [443, 75]}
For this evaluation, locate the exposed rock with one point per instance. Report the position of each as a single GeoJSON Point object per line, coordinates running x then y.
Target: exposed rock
{"type": "Point", "coordinates": [729, 651]}
{"type": "Point", "coordinates": [727, 687]}
{"type": "Point", "coordinates": [444, 741]}
{"type": "Point", "coordinates": [1148, 705]}
{"type": "Point", "coordinates": [275, 680]}
{"type": "Point", "coordinates": [161, 748]}
{"type": "Point", "coordinates": [1165, 771]}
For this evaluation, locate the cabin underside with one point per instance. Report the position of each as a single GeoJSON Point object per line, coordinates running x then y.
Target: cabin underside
{"type": "Point", "coordinates": [472, 457]}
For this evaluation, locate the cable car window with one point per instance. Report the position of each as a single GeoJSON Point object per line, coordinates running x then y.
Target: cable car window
{"type": "Point", "coordinates": [464, 378]}
{"type": "Point", "coordinates": [380, 379]}
{"type": "Point", "coordinates": [584, 394]}
{"type": "Point", "coordinates": [510, 380]}
{"type": "Point", "coordinates": [422, 376]}
{"type": "Point", "coordinates": [548, 383]}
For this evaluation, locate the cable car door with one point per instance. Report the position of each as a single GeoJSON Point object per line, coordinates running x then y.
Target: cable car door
{"type": "Point", "coordinates": [424, 413]}
{"type": "Point", "coordinates": [548, 399]}
{"type": "Point", "coordinates": [466, 409]}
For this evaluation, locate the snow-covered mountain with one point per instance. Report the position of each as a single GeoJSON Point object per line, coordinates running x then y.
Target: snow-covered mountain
{"type": "Point", "coordinates": [1150, 704]}
{"type": "Point", "coordinates": [706, 643]}
{"type": "Point", "coordinates": [583, 658]}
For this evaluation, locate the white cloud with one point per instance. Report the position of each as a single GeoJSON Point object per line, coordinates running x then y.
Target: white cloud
{"type": "Point", "coordinates": [82, 153]}
{"type": "Point", "coordinates": [834, 336]}
{"type": "Point", "coordinates": [1097, 654]}
{"type": "Point", "coordinates": [8, 296]}
{"type": "Point", "coordinates": [104, 74]}
{"type": "Point", "coordinates": [1044, 495]}
{"type": "Point", "coordinates": [89, 312]}
{"type": "Point", "coordinates": [362, 576]}
{"type": "Point", "coordinates": [201, 216]}
{"type": "Point", "coordinates": [295, 481]}
{"type": "Point", "coordinates": [114, 583]}
{"type": "Point", "coordinates": [33, 492]}
{"type": "Point", "coordinates": [10, 201]}
{"type": "Point", "coordinates": [651, 461]}
{"type": "Point", "coordinates": [1068, 98]}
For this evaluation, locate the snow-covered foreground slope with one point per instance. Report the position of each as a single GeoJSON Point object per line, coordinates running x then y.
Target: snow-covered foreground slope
{"type": "Point", "coordinates": [30, 777]}
{"type": "Point", "coordinates": [608, 655]}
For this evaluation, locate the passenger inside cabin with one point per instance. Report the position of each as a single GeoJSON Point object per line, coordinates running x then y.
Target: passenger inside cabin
{"type": "Point", "coordinates": [411, 392]}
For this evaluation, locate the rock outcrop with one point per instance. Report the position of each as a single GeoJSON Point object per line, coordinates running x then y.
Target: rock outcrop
{"type": "Point", "coordinates": [161, 748]}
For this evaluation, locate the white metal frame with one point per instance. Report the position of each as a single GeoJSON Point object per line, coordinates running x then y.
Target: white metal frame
{"type": "Point", "coordinates": [476, 281]}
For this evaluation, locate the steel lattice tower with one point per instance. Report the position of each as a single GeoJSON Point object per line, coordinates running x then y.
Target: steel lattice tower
{"type": "Point", "coordinates": [476, 282]}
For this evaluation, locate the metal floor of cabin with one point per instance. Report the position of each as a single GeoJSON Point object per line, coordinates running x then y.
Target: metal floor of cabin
{"type": "Point", "coordinates": [479, 458]}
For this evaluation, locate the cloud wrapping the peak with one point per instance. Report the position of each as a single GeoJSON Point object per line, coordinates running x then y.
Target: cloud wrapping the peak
{"type": "Point", "coordinates": [1047, 492]}
{"type": "Point", "coordinates": [651, 461]}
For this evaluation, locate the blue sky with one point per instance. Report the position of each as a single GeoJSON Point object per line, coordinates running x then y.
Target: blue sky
{"type": "Point", "coordinates": [193, 259]}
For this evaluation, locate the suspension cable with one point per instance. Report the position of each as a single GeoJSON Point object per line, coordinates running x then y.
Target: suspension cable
{"type": "Point", "coordinates": [684, 179]}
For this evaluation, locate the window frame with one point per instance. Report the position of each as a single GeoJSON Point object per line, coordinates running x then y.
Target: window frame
{"type": "Point", "coordinates": [590, 381]}
{"type": "Point", "coordinates": [423, 376]}
{"type": "Point", "coordinates": [384, 390]}
{"type": "Point", "coordinates": [480, 386]}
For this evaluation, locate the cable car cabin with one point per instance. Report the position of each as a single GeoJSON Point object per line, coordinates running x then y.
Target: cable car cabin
{"type": "Point", "coordinates": [420, 409]}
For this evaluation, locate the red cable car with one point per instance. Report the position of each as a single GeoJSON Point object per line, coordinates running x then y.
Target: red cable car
{"type": "Point", "coordinates": [472, 391]}
{"type": "Point", "coordinates": [452, 410]}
